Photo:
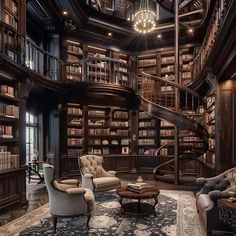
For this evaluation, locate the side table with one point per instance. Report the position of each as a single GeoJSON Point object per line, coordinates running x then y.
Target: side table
{"type": "Point", "coordinates": [138, 208]}
{"type": "Point", "coordinates": [227, 212]}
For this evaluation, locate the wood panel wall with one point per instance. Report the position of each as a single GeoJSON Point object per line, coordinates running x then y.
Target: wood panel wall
{"type": "Point", "coordinates": [225, 125]}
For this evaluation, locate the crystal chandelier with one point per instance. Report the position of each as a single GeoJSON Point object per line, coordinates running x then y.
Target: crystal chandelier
{"type": "Point", "coordinates": [144, 18]}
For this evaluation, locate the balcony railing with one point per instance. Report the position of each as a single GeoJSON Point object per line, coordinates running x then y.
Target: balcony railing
{"type": "Point", "coordinates": [217, 19]}
{"type": "Point", "coordinates": [100, 70]}
{"type": "Point", "coordinates": [41, 61]}
{"type": "Point", "coordinates": [93, 69]}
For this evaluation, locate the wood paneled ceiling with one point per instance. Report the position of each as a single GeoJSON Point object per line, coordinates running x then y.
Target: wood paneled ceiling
{"type": "Point", "coordinates": [90, 24]}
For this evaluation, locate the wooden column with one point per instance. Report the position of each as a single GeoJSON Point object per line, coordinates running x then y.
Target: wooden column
{"type": "Point", "coordinates": [177, 103]}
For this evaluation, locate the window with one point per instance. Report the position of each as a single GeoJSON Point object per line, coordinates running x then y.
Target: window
{"type": "Point", "coordinates": [31, 136]}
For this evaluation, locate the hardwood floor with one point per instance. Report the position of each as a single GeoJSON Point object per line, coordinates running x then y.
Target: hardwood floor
{"type": "Point", "coordinates": [37, 194]}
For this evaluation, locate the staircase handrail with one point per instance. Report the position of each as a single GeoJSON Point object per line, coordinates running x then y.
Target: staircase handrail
{"type": "Point", "coordinates": [179, 86]}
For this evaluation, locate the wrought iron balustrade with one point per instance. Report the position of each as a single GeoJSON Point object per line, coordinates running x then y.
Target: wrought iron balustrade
{"type": "Point", "coordinates": [100, 70]}
{"type": "Point", "coordinates": [41, 61]}
{"type": "Point", "coordinates": [216, 22]}
{"type": "Point", "coordinates": [164, 93]}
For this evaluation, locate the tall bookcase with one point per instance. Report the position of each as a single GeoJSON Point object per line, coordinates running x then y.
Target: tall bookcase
{"type": "Point", "coordinates": [93, 130]}
{"type": "Point", "coordinates": [210, 103]}
{"type": "Point", "coordinates": [12, 13]}
{"type": "Point", "coordinates": [148, 141]}
{"type": "Point", "coordinates": [12, 164]}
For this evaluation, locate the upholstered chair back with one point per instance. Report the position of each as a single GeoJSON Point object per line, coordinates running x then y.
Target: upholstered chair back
{"type": "Point", "coordinates": [60, 201]}
{"type": "Point", "coordinates": [92, 164]}
{"type": "Point", "coordinates": [94, 176]}
{"type": "Point", "coordinates": [66, 199]}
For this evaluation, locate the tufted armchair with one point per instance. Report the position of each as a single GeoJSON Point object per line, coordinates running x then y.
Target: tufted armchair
{"type": "Point", "coordinates": [94, 176]}
{"type": "Point", "coordinates": [206, 199]}
{"type": "Point", "coordinates": [66, 199]}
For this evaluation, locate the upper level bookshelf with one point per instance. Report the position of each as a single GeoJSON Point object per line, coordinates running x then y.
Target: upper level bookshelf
{"type": "Point", "coordinates": [10, 13]}
{"type": "Point", "coordinates": [74, 53]}
{"type": "Point", "coordinates": [147, 63]}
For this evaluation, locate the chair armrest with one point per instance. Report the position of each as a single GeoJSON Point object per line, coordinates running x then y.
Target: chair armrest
{"type": "Point", "coordinates": [73, 191]}
{"type": "Point", "coordinates": [112, 172]}
{"type": "Point", "coordinates": [217, 194]}
{"type": "Point", "coordinates": [201, 180]}
{"type": "Point", "coordinates": [69, 181]}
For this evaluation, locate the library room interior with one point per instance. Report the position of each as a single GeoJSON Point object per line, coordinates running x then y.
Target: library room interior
{"type": "Point", "coordinates": [118, 117]}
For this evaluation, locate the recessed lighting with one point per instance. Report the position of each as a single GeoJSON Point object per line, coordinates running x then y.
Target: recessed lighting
{"type": "Point", "coordinates": [190, 30]}
{"type": "Point", "coordinates": [65, 13]}
{"type": "Point", "coordinates": [159, 36]}
{"type": "Point", "coordinates": [109, 34]}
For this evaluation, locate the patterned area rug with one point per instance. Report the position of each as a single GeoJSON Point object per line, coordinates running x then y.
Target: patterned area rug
{"type": "Point", "coordinates": [176, 216]}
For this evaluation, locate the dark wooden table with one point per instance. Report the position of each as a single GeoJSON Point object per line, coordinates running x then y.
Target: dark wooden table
{"type": "Point", "coordinates": [227, 212]}
{"type": "Point", "coordinates": [138, 207]}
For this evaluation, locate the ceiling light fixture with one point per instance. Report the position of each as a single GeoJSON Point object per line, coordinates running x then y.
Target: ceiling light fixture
{"type": "Point", "coordinates": [144, 18]}
{"type": "Point", "coordinates": [65, 13]}
{"type": "Point", "coordinates": [159, 36]}
{"type": "Point", "coordinates": [109, 34]}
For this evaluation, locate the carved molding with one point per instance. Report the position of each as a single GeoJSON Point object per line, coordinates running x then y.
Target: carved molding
{"type": "Point", "coordinates": [25, 87]}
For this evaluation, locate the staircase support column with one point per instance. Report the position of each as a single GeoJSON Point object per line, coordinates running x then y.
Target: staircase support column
{"type": "Point", "coordinates": [177, 97]}
{"type": "Point", "coordinates": [176, 170]}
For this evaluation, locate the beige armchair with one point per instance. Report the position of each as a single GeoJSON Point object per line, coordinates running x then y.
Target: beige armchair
{"type": "Point", "coordinates": [94, 176]}
{"type": "Point", "coordinates": [66, 199]}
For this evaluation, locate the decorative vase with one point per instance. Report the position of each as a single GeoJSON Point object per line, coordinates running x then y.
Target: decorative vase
{"type": "Point", "coordinates": [139, 179]}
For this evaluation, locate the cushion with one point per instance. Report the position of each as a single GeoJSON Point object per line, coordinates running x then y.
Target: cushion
{"type": "Point", "coordinates": [89, 198]}
{"type": "Point", "coordinates": [222, 185]}
{"type": "Point", "coordinates": [106, 182]}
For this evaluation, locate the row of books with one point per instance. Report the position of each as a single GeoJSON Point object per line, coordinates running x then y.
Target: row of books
{"type": "Point", "coordinates": [9, 110]}
{"type": "Point", "coordinates": [124, 141]}
{"type": "Point", "coordinates": [144, 133]}
{"type": "Point", "coordinates": [7, 90]}
{"type": "Point", "coordinates": [10, 20]}
{"type": "Point", "coordinates": [74, 131]}
{"type": "Point", "coordinates": [120, 123]}
{"type": "Point", "coordinates": [75, 141]}
{"type": "Point", "coordinates": [74, 69]}
{"type": "Point", "coordinates": [146, 142]}
{"type": "Point", "coordinates": [151, 123]}
{"type": "Point", "coordinates": [74, 111]}
{"type": "Point", "coordinates": [8, 161]}
{"type": "Point", "coordinates": [6, 131]}
{"type": "Point", "coordinates": [167, 132]}
{"type": "Point", "coordinates": [74, 48]}
{"type": "Point", "coordinates": [121, 114]}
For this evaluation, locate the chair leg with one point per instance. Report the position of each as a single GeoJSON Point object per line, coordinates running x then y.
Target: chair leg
{"type": "Point", "coordinates": [89, 217]}
{"type": "Point", "coordinates": [54, 220]}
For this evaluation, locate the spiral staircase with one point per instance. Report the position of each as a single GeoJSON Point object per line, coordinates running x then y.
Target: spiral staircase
{"type": "Point", "coordinates": [192, 137]}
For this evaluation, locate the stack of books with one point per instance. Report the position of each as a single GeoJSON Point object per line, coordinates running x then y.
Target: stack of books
{"type": "Point", "coordinates": [137, 187]}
